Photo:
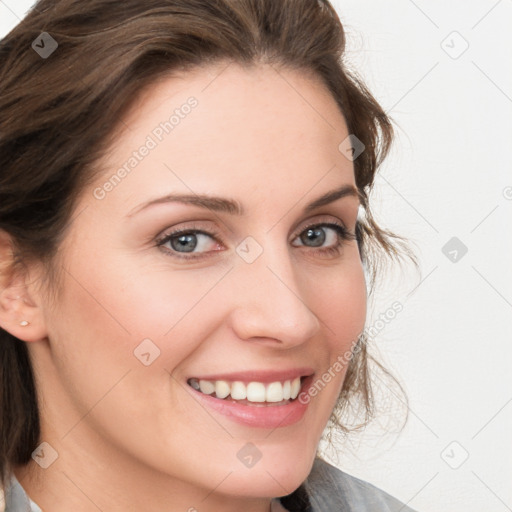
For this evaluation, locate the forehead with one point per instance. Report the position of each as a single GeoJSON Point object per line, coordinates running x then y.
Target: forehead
{"type": "Point", "coordinates": [231, 129]}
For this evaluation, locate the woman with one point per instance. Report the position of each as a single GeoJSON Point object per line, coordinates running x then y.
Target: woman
{"type": "Point", "coordinates": [186, 241]}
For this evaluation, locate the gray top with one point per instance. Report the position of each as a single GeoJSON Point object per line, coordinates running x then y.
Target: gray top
{"type": "Point", "coordinates": [16, 500]}
{"type": "Point", "coordinates": [328, 489]}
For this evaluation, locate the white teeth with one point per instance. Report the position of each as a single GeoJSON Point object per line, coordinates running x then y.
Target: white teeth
{"type": "Point", "coordinates": [286, 390]}
{"type": "Point", "coordinates": [294, 391]}
{"type": "Point", "coordinates": [222, 389]}
{"type": "Point", "coordinates": [256, 392]}
{"type": "Point", "coordinates": [253, 391]}
{"type": "Point", "coordinates": [238, 391]}
{"type": "Point", "coordinates": [274, 392]}
{"type": "Point", "coordinates": [206, 387]}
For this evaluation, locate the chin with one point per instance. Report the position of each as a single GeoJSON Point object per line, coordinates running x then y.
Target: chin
{"type": "Point", "coordinates": [273, 479]}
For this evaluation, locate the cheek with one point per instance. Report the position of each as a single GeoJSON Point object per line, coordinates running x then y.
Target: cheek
{"type": "Point", "coordinates": [341, 302]}
{"type": "Point", "coordinates": [128, 303]}
{"type": "Point", "coordinates": [114, 341]}
{"type": "Point", "coordinates": [341, 305]}
{"type": "Point", "coordinates": [117, 336]}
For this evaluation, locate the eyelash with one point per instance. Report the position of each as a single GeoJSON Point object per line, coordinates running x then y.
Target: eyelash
{"type": "Point", "coordinates": [343, 236]}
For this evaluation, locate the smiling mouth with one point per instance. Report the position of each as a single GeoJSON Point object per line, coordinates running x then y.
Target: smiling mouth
{"type": "Point", "coordinates": [250, 393]}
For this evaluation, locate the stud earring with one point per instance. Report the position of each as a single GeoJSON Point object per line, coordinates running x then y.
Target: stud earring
{"type": "Point", "coordinates": [24, 323]}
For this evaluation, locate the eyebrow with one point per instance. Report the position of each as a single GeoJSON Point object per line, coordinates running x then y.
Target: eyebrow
{"type": "Point", "coordinates": [233, 207]}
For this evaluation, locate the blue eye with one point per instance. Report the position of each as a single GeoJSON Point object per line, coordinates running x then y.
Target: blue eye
{"type": "Point", "coordinates": [185, 241]}
{"type": "Point", "coordinates": [316, 232]}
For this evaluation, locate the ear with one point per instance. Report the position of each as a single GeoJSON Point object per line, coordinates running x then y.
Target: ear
{"type": "Point", "coordinates": [20, 311]}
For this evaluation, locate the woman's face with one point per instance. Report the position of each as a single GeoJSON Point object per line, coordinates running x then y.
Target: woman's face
{"type": "Point", "coordinates": [140, 314]}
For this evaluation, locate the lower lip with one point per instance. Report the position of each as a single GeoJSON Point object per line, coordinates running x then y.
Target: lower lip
{"type": "Point", "coordinates": [261, 416]}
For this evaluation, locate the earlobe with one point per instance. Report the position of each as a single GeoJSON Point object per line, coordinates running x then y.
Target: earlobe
{"type": "Point", "coordinates": [20, 314]}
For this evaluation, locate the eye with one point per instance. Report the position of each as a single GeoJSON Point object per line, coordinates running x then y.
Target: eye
{"type": "Point", "coordinates": [186, 241]}
{"type": "Point", "coordinates": [315, 233]}
{"type": "Point", "coordinates": [192, 243]}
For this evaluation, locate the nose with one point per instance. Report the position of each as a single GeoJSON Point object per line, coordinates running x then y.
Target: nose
{"type": "Point", "coordinates": [270, 305]}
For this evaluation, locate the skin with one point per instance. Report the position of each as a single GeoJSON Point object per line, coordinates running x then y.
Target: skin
{"type": "Point", "coordinates": [133, 437]}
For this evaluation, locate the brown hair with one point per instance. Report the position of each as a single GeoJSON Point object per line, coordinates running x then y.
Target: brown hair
{"type": "Point", "coordinates": [58, 115]}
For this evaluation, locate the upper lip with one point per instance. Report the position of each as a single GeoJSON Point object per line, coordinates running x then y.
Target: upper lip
{"type": "Point", "coordinates": [266, 376]}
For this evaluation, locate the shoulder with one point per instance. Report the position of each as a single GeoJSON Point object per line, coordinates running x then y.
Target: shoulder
{"type": "Point", "coordinates": [328, 488]}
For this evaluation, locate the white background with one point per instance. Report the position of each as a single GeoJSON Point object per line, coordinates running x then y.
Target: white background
{"type": "Point", "coordinates": [449, 175]}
